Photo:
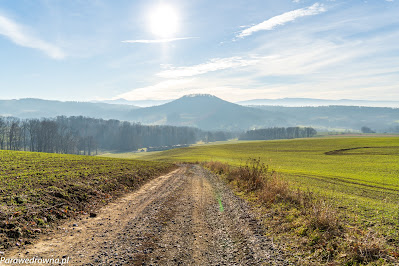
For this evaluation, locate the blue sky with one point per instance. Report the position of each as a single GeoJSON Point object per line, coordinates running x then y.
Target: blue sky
{"type": "Point", "coordinates": [236, 50]}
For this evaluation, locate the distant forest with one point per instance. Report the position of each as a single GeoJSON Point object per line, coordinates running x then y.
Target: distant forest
{"type": "Point", "coordinates": [332, 118]}
{"type": "Point", "coordinates": [82, 135]}
{"type": "Point", "coordinates": [208, 112]}
{"type": "Point", "coordinates": [279, 133]}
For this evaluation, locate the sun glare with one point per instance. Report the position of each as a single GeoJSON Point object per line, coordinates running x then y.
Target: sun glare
{"type": "Point", "coordinates": [163, 21]}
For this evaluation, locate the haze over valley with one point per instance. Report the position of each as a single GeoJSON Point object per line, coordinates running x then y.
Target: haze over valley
{"type": "Point", "coordinates": [208, 112]}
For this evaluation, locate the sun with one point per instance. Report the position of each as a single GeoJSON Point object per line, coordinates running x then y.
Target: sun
{"type": "Point", "coordinates": [163, 21]}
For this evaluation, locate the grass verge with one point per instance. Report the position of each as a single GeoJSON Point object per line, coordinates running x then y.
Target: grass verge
{"type": "Point", "coordinates": [311, 228]}
{"type": "Point", "coordinates": [37, 189]}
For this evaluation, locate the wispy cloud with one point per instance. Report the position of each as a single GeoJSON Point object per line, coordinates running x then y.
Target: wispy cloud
{"type": "Point", "coordinates": [157, 91]}
{"type": "Point", "coordinates": [160, 40]}
{"type": "Point", "coordinates": [283, 19]}
{"type": "Point", "coordinates": [21, 36]}
{"type": "Point", "coordinates": [297, 67]}
{"type": "Point", "coordinates": [335, 57]}
{"type": "Point", "coordinates": [210, 66]}
{"type": "Point", "coordinates": [175, 88]}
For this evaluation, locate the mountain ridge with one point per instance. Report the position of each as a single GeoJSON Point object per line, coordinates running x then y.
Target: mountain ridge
{"type": "Point", "coordinates": [206, 112]}
{"type": "Point", "coordinates": [37, 108]}
{"type": "Point", "coordinates": [209, 112]}
{"type": "Point", "coordinates": [287, 101]}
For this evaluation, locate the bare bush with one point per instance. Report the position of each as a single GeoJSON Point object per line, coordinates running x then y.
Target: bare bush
{"type": "Point", "coordinates": [270, 188]}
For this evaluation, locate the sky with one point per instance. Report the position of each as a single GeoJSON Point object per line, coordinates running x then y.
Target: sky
{"type": "Point", "coordinates": [235, 49]}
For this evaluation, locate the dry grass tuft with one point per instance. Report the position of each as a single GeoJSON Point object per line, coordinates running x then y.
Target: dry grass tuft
{"type": "Point", "coordinates": [365, 247]}
{"type": "Point", "coordinates": [255, 176]}
{"type": "Point", "coordinates": [303, 216]}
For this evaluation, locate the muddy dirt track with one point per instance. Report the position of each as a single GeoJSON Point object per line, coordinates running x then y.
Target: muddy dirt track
{"type": "Point", "coordinates": [188, 217]}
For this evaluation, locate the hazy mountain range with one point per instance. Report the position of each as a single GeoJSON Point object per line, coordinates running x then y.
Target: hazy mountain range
{"type": "Point", "coordinates": [211, 113]}
{"type": "Point", "coordinates": [37, 108]}
{"type": "Point", "coordinates": [289, 102]}
{"type": "Point", "coordinates": [300, 102]}
{"type": "Point", "coordinates": [139, 103]}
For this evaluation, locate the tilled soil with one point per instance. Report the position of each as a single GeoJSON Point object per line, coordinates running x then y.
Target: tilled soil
{"type": "Point", "coordinates": [188, 217]}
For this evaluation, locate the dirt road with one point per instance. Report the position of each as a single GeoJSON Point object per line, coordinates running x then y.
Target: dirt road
{"type": "Point", "coordinates": [188, 217]}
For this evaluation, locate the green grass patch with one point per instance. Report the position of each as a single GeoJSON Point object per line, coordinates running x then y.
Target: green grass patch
{"type": "Point", "coordinates": [38, 189]}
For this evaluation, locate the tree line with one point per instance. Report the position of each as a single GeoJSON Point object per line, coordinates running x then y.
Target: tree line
{"type": "Point", "coordinates": [278, 133]}
{"type": "Point", "coordinates": [83, 135]}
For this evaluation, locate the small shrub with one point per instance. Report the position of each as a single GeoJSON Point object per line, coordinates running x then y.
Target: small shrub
{"type": "Point", "coordinates": [255, 174]}
{"type": "Point", "coordinates": [323, 216]}
{"type": "Point", "coordinates": [275, 190]}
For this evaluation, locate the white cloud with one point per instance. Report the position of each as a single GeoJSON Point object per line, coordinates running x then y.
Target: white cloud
{"type": "Point", "coordinates": [283, 19]}
{"type": "Point", "coordinates": [160, 40]}
{"type": "Point", "coordinates": [21, 36]}
{"type": "Point", "coordinates": [173, 89]}
{"type": "Point", "coordinates": [210, 66]}
{"type": "Point", "coordinates": [282, 71]}
{"type": "Point", "coordinates": [160, 91]}
{"type": "Point", "coordinates": [320, 59]}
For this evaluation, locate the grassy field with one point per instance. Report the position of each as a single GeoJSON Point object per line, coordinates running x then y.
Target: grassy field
{"type": "Point", "coordinates": [37, 189]}
{"type": "Point", "coordinates": [374, 163]}
{"type": "Point", "coordinates": [361, 174]}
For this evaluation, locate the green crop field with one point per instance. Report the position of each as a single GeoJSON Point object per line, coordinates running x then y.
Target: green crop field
{"type": "Point", "coordinates": [39, 188]}
{"type": "Point", "coordinates": [360, 174]}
